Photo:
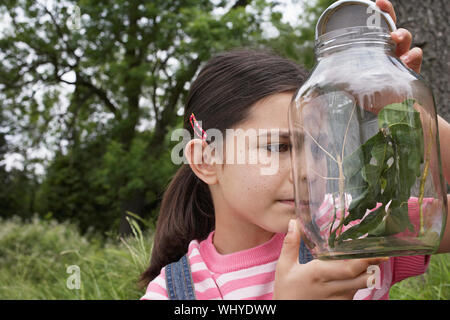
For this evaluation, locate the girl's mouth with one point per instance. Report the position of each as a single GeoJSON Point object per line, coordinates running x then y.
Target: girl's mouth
{"type": "Point", "coordinates": [288, 202]}
{"type": "Point", "coordinates": [291, 202]}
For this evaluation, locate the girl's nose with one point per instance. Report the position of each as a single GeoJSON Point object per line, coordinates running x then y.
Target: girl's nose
{"type": "Point", "coordinates": [303, 172]}
{"type": "Point", "coordinates": [303, 175]}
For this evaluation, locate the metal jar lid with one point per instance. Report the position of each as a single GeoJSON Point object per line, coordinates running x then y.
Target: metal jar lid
{"type": "Point", "coordinates": [353, 13]}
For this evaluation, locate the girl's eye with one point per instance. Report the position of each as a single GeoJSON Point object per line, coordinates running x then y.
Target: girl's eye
{"type": "Point", "coordinates": [282, 147]}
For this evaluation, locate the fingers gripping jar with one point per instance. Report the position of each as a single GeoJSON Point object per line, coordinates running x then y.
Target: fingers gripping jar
{"type": "Point", "coordinates": [365, 155]}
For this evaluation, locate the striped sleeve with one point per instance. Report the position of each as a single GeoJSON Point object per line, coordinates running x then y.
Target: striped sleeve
{"type": "Point", "coordinates": [156, 289]}
{"type": "Point", "coordinates": [409, 266]}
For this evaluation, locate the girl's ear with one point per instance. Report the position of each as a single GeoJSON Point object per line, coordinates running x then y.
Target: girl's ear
{"type": "Point", "coordinates": [201, 160]}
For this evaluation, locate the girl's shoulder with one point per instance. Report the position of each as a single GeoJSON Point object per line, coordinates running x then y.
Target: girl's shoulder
{"type": "Point", "coordinates": [157, 289]}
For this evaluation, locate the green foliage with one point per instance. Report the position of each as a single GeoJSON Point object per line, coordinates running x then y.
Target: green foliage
{"type": "Point", "coordinates": [35, 256]}
{"type": "Point", "coordinates": [70, 190]}
{"type": "Point", "coordinates": [17, 186]}
{"type": "Point", "coordinates": [90, 185]}
{"type": "Point", "coordinates": [16, 193]}
{"type": "Point", "coordinates": [387, 165]}
{"type": "Point", "coordinates": [297, 41]}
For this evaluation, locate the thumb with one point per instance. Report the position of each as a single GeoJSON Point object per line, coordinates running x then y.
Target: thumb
{"type": "Point", "coordinates": [291, 244]}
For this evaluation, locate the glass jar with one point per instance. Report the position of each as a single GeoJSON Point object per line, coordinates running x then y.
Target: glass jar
{"type": "Point", "coordinates": [365, 155]}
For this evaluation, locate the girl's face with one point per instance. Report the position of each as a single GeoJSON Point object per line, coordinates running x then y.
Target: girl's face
{"type": "Point", "coordinates": [253, 196]}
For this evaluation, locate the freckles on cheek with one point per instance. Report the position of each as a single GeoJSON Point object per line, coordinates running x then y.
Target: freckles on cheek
{"type": "Point", "coordinates": [250, 181]}
{"type": "Point", "coordinates": [260, 184]}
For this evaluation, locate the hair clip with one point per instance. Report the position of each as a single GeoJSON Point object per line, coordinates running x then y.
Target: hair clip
{"type": "Point", "coordinates": [198, 127]}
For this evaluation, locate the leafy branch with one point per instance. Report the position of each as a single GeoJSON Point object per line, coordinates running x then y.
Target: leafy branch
{"type": "Point", "coordinates": [382, 170]}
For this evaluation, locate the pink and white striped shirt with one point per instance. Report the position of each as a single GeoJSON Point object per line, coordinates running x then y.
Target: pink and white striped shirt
{"type": "Point", "coordinates": [250, 274]}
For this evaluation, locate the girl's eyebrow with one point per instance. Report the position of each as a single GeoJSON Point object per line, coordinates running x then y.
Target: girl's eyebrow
{"type": "Point", "coordinates": [281, 133]}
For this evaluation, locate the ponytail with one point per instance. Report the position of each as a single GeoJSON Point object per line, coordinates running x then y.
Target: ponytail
{"type": "Point", "coordinates": [186, 213]}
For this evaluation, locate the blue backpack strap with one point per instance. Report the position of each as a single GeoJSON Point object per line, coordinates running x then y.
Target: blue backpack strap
{"type": "Point", "coordinates": [304, 255]}
{"type": "Point", "coordinates": [179, 280]}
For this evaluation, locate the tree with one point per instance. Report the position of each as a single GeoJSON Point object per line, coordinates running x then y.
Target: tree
{"type": "Point", "coordinates": [427, 20]}
{"type": "Point", "coordinates": [17, 186]}
{"type": "Point", "coordinates": [102, 84]}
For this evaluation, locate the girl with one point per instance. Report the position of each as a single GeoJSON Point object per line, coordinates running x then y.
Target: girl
{"type": "Point", "coordinates": [230, 219]}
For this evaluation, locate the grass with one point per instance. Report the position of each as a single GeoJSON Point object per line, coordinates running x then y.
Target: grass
{"type": "Point", "coordinates": [34, 260]}
{"type": "Point", "coordinates": [35, 256]}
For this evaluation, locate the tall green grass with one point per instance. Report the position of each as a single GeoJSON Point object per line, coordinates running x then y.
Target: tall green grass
{"type": "Point", "coordinates": [34, 258]}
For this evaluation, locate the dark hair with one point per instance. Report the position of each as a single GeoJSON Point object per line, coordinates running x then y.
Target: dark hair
{"type": "Point", "coordinates": [221, 97]}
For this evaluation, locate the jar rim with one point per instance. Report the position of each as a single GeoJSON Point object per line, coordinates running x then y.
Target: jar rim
{"type": "Point", "coordinates": [362, 35]}
{"type": "Point", "coordinates": [354, 31]}
{"type": "Point", "coordinates": [349, 6]}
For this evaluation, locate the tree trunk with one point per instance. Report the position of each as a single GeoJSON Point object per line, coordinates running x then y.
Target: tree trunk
{"type": "Point", "coordinates": [427, 20]}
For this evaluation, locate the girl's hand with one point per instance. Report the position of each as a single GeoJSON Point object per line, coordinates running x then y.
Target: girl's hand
{"type": "Point", "coordinates": [403, 38]}
{"type": "Point", "coordinates": [337, 279]}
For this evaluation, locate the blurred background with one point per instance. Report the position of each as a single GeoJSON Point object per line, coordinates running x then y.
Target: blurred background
{"type": "Point", "coordinates": [90, 92]}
